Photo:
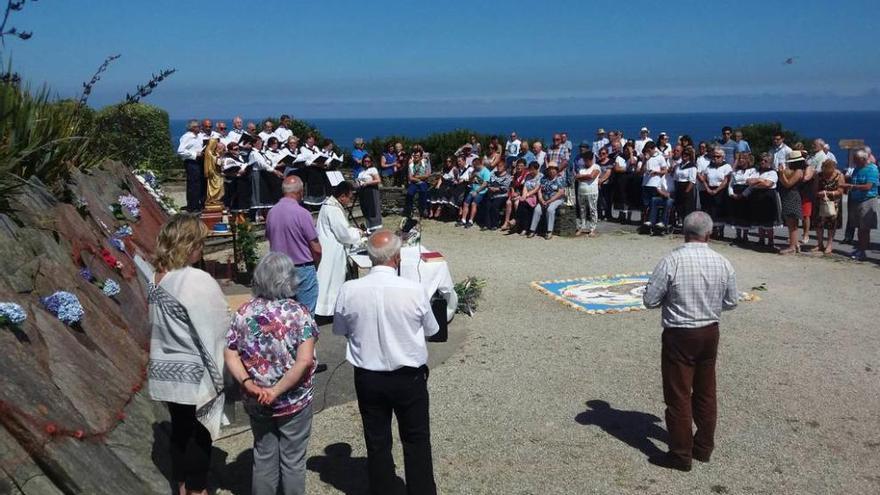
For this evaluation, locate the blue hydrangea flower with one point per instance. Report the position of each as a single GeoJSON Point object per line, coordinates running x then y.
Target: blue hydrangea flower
{"type": "Point", "coordinates": [110, 287]}
{"type": "Point", "coordinates": [86, 274]}
{"type": "Point", "coordinates": [123, 231]}
{"type": "Point", "coordinates": [65, 306]}
{"type": "Point", "coordinates": [118, 244]}
{"type": "Point", "coordinates": [130, 203]}
{"type": "Point", "coordinates": [12, 313]}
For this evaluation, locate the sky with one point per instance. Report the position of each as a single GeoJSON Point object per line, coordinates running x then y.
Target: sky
{"type": "Point", "coordinates": [350, 59]}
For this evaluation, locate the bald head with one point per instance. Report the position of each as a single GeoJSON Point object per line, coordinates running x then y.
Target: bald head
{"type": "Point", "coordinates": [292, 187]}
{"type": "Point", "coordinates": [383, 247]}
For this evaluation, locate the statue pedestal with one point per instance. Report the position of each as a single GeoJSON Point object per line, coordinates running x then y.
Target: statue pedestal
{"type": "Point", "coordinates": [212, 217]}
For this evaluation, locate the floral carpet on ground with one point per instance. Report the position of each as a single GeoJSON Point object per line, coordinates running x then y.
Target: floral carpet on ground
{"type": "Point", "coordinates": [604, 294]}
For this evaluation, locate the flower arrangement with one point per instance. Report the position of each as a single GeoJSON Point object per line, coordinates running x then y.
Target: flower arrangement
{"type": "Point", "coordinates": [150, 180]}
{"type": "Point", "coordinates": [86, 274]}
{"type": "Point", "coordinates": [65, 306]}
{"type": "Point", "coordinates": [469, 291]}
{"type": "Point", "coordinates": [131, 204]}
{"type": "Point", "coordinates": [11, 314]}
{"type": "Point", "coordinates": [110, 287]}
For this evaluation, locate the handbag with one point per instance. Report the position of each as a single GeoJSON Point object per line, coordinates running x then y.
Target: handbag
{"type": "Point", "coordinates": [827, 208]}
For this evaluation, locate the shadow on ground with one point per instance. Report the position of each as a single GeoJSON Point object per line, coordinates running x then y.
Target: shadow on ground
{"type": "Point", "coordinates": [340, 470]}
{"type": "Point", "coordinates": [633, 428]}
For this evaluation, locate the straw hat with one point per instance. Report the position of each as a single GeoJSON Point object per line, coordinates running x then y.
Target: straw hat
{"type": "Point", "coordinates": [796, 156]}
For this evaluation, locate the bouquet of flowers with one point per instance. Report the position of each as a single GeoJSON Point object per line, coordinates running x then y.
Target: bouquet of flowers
{"type": "Point", "coordinates": [117, 243]}
{"type": "Point", "coordinates": [65, 306]}
{"type": "Point", "coordinates": [11, 314]}
{"type": "Point", "coordinates": [123, 231]}
{"type": "Point", "coordinates": [110, 287]}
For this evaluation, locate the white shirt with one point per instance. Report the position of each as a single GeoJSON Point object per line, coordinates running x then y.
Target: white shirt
{"type": "Point", "coordinates": [265, 137]}
{"type": "Point", "coordinates": [234, 135]}
{"type": "Point", "coordinates": [703, 163]}
{"type": "Point", "coordinates": [715, 175]}
{"type": "Point", "coordinates": [640, 144]}
{"type": "Point", "coordinates": [259, 161]}
{"type": "Point", "coordinates": [599, 144]}
{"type": "Point", "coordinates": [740, 177]}
{"type": "Point", "coordinates": [368, 175]}
{"type": "Point", "coordinates": [770, 175]}
{"type": "Point", "coordinates": [282, 133]}
{"type": "Point", "coordinates": [190, 146]}
{"type": "Point", "coordinates": [686, 174]}
{"type": "Point", "coordinates": [386, 319]}
{"type": "Point", "coordinates": [512, 147]}
{"type": "Point", "coordinates": [654, 164]}
{"type": "Point", "coordinates": [780, 154]}
{"type": "Point", "coordinates": [589, 186]}
{"type": "Point", "coordinates": [540, 157]}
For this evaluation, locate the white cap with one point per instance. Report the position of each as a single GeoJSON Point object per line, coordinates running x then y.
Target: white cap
{"type": "Point", "coordinates": [644, 129]}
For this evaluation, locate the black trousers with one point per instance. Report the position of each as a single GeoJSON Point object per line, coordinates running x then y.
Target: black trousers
{"type": "Point", "coordinates": [195, 185]}
{"type": "Point", "coordinates": [190, 448]}
{"type": "Point", "coordinates": [494, 206]}
{"type": "Point", "coordinates": [405, 393]}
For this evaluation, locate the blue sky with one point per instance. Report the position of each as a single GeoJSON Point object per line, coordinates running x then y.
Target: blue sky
{"type": "Point", "coordinates": [457, 58]}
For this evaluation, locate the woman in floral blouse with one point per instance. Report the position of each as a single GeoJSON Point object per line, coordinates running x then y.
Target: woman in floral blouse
{"type": "Point", "coordinates": [551, 196]}
{"type": "Point", "coordinates": [271, 353]}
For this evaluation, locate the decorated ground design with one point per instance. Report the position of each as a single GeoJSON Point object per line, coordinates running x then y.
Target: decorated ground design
{"type": "Point", "coordinates": [604, 294]}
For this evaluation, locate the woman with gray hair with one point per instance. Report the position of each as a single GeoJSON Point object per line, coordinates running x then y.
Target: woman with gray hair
{"type": "Point", "coordinates": [271, 354]}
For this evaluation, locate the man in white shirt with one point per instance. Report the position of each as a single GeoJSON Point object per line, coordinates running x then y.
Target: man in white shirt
{"type": "Point", "coordinates": [234, 134]}
{"type": "Point", "coordinates": [511, 147]}
{"type": "Point", "coordinates": [655, 169]}
{"type": "Point", "coordinates": [386, 319]}
{"type": "Point", "coordinates": [267, 132]}
{"type": "Point", "coordinates": [190, 150]}
{"type": "Point", "coordinates": [283, 131]}
{"type": "Point", "coordinates": [600, 142]}
{"type": "Point", "coordinates": [644, 138]}
{"type": "Point", "coordinates": [207, 130]}
{"type": "Point", "coordinates": [220, 132]}
{"type": "Point", "coordinates": [567, 143]}
{"type": "Point", "coordinates": [779, 151]}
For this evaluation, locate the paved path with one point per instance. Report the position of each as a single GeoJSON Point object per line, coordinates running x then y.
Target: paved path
{"type": "Point", "coordinates": [520, 408]}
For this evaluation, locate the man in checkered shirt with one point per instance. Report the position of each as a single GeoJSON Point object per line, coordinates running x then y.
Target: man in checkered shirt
{"type": "Point", "coordinates": [693, 284]}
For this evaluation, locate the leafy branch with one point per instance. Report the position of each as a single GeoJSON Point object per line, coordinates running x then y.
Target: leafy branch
{"type": "Point", "coordinates": [87, 87]}
{"type": "Point", "coordinates": [13, 6]}
{"type": "Point", "coordinates": [144, 91]}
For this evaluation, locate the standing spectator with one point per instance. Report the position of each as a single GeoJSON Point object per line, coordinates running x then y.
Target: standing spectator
{"type": "Point", "coordinates": [685, 183]}
{"type": "Point", "coordinates": [830, 182]}
{"type": "Point", "coordinates": [693, 284]}
{"type": "Point", "coordinates": [388, 165]}
{"type": "Point", "coordinates": [290, 230]}
{"type": "Point", "coordinates": [559, 153]}
{"type": "Point", "coordinates": [763, 201]}
{"type": "Point", "coordinates": [863, 191]}
{"type": "Point", "coordinates": [567, 143]}
{"type": "Point", "coordinates": [628, 195]}
{"type": "Point", "coordinates": [742, 146]}
{"type": "Point", "coordinates": [780, 150]}
{"type": "Point", "coordinates": [728, 145]}
{"type": "Point", "coordinates": [511, 148]}
{"type": "Point", "coordinates": [497, 189]}
{"type": "Point", "coordinates": [188, 319]}
{"type": "Point", "coordinates": [605, 185]}
{"type": "Point", "coordinates": [600, 142]}
{"type": "Point", "coordinates": [270, 351]}
{"type": "Point", "coordinates": [644, 138]}
{"type": "Point", "coordinates": [587, 180]}
{"type": "Point", "coordinates": [419, 173]}
{"type": "Point", "coordinates": [714, 182]}
{"type": "Point", "coordinates": [653, 171]}
{"type": "Point", "coordinates": [663, 146]}
{"type": "Point", "coordinates": [191, 149]}
{"type": "Point", "coordinates": [791, 176]}
{"type": "Point", "coordinates": [551, 196]}
{"type": "Point", "coordinates": [357, 155]}
{"type": "Point", "coordinates": [386, 319]}
{"type": "Point", "coordinates": [368, 182]}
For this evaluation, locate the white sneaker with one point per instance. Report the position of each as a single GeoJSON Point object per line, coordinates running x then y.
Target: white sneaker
{"type": "Point", "coordinates": [647, 224]}
{"type": "Point", "coordinates": [660, 225]}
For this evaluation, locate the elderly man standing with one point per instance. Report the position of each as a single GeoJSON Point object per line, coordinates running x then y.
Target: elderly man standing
{"type": "Point", "coordinates": [290, 230]}
{"type": "Point", "coordinates": [190, 150]}
{"type": "Point", "coordinates": [386, 319]}
{"type": "Point", "coordinates": [693, 284]}
{"type": "Point", "coordinates": [863, 202]}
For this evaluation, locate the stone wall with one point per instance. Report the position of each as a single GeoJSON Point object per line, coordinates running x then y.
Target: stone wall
{"type": "Point", "coordinates": [72, 418]}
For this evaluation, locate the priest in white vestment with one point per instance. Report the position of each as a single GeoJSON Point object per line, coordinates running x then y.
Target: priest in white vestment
{"type": "Point", "coordinates": [336, 235]}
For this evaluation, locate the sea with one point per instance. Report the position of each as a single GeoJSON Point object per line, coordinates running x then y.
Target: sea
{"type": "Point", "coordinates": [830, 126]}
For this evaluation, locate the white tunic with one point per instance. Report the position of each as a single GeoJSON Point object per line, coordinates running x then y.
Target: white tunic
{"type": "Point", "coordinates": [335, 236]}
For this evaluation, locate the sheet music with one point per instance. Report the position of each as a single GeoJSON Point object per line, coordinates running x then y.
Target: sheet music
{"type": "Point", "coordinates": [335, 177]}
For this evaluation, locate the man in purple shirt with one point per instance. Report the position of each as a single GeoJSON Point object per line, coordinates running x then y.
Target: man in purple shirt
{"type": "Point", "coordinates": [290, 230]}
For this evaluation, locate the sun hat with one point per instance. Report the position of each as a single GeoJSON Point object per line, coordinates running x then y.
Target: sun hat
{"type": "Point", "coordinates": [644, 129]}
{"type": "Point", "coordinates": [796, 156]}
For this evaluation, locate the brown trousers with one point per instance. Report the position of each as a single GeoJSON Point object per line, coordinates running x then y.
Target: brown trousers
{"type": "Point", "coordinates": [688, 366]}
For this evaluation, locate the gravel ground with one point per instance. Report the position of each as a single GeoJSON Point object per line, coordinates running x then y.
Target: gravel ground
{"type": "Point", "coordinates": [798, 381]}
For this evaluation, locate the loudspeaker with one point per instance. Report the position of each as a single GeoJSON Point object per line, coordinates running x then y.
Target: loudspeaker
{"type": "Point", "coordinates": [438, 307]}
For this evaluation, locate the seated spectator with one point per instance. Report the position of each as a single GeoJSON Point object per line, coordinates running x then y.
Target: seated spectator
{"type": "Point", "coordinates": [270, 351]}
{"type": "Point", "coordinates": [528, 198]}
{"type": "Point", "coordinates": [441, 188]}
{"type": "Point", "coordinates": [497, 188]}
{"type": "Point", "coordinates": [514, 194]}
{"type": "Point", "coordinates": [551, 195]}
{"type": "Point", "coordinates": [419, 173]}
{"type": "Point", "coordinates": [829, 213]}
{"type": "Point", "coordinates": [479, 182]}
{"type": "Point", "coordinates": [665, 201]}
{"type": "Point", "coordinates": [388, 165]}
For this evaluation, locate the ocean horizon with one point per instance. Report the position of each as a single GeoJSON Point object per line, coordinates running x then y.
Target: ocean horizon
{"type": "Point", "coordinates": [830, 126]}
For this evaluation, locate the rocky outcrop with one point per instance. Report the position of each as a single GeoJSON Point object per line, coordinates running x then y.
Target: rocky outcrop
{"type": "Point", "coordinates": [73, 420]}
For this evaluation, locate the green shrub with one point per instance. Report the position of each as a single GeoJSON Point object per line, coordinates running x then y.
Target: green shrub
{"type": "Point", "coordinates": [760, 136]}
{"type": "Point", "coordinates": [42, 139]}
{"type": "Point", "coordinates": [439, 145]}
{"type": "Point", "coordinates": [137, 135]}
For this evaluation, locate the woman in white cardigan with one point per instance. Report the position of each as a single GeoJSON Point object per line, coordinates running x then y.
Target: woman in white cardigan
{"type": "Point", "coordinates": [336, 235]}
{"type": "Point", "coordinates": [189, 318]}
